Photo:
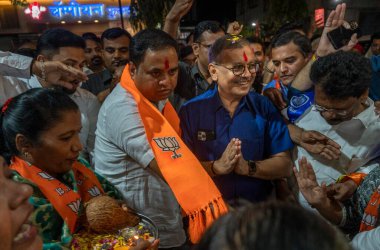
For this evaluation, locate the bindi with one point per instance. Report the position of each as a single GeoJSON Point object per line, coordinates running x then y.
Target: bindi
{"type": "Point", "coordinates": [167, 66]}
{"type": "Point", "coordinates": [245, 57]}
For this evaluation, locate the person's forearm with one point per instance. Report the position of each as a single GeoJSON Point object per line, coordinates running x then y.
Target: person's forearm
{"type": "Point", "coordinates": [274, 168]}
{"type": "Point", "coordinates": [295, 133]}
{"type": "Point", "coordinates": [171, 26]}
{"type": "Point", "coordinates": [302, 81]}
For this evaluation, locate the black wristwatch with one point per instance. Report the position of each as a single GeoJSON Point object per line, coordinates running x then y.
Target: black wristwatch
{"type": "Point", "coordinates": [251, 168]}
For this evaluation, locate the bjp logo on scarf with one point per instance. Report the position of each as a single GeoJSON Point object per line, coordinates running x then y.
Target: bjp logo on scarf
{"type": "Point", "coordinates": [168, 144]}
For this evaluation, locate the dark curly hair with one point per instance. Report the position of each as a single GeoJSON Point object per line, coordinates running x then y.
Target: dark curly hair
{"type": "Point", "coordinates": [342, 74]}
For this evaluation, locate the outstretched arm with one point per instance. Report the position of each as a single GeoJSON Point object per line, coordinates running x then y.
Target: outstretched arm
{"type": "Point", "coordinates": [302, 81]}
{"type": "Point", "coordinates": [179, 9]}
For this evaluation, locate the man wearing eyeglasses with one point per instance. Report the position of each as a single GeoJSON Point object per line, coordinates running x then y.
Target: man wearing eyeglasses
{"type": "Point", "coordinates": [342, 111]}
{"type": "Point", "coordinates": [238, 135]}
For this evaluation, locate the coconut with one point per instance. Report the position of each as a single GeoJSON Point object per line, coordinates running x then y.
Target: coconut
{"type": "Point", "coordinates": [105, 215]}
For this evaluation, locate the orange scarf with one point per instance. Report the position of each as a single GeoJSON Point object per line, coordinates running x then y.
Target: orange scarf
{"type": "Point", "coordinates": [192, 186]}
{"type": "Point", "coordinates": [66, 201]}
{"type": "Point", "coordinates": [371, 212]}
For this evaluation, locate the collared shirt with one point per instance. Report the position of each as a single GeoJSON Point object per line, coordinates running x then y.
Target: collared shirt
{"type": "Point", "coordinates": [358, 138]}
{"type": "Point", "coordinates": [122, 155]}
{"type": "Point", "coordinates": [190, 84]}
{"type": "Point", "coordinates": [97, 82]}
{"type": "Point", "coordinates": [208, 128]}
{"type": "Point", "coordinates": [10, 86]}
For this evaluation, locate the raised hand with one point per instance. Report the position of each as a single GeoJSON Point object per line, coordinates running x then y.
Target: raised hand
{"type": "Point", "coordinates": [179, 9]}
{"type": "Point", "coordinates": [234, 28]}
{"type": "Point", "coordinates": [335, 19]}
{"type": "Point", "coordinates": [276, 98]}
{"type": "Point", "coordinates": [229, 159]}
{"type": "Point", "coordinates": [307, 182]}
{"type": "Point", "coordinates": [56, 73]}
{"type": "Point", "coordinates": [341, 191]}
{"type": "Point", "coordinates": [317, 143]}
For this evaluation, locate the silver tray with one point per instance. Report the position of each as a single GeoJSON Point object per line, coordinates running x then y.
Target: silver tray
{"type": "Point", "coordinates": [147, 225]}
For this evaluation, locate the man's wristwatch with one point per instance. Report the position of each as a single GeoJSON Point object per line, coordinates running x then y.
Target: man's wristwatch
{"type": "Point", "coordinates": [251, 168]}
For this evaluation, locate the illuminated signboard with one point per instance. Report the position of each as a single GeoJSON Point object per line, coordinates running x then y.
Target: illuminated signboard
{"type": "Point", "coordinates": [319, 17]}
{"type": "Point", "coordinates": [35, 10]}
{"type": "Point", "coordinates": [75, 10]}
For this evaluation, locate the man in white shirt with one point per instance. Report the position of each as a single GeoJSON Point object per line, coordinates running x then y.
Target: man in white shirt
{"type": "Point", "coordinates": [343, 112]}
{"type": "Point", "coordinates": [64, 46]}
{"type": "Point", "coordinates": [122, 151]}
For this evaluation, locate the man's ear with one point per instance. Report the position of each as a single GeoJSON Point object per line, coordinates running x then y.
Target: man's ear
{"type": "Point", "coordinates": [213, 72]}
{"type": "Point", "coordinates": [364, 96]}
{"type": "Point", "coordinates": [196, 49]}
{"type": "Point", "coordinates": [132, 70]}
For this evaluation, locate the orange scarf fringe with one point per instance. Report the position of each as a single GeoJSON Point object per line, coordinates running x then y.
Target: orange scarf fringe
{"type": "Point", "coordinates": [193, 188]}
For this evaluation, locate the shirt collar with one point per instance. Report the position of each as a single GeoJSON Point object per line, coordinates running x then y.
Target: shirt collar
{"type": "Point", "coordinates": [216, 102]}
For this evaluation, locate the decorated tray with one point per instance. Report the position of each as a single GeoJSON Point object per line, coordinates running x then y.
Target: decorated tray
{"type": "Point", "coordinates": [122, 240]}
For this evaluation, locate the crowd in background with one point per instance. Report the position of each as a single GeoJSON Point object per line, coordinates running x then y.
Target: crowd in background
{"type": "Point", "coordinates": [225, 142]}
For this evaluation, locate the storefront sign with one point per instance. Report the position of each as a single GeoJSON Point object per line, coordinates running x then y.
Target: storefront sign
{"type": "Point", "coordinates": [35, 10]}
{"type": "Point", "coordinates": [74, 10]}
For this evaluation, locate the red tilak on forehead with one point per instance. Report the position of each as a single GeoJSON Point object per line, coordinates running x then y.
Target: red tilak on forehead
{"type": "Point", "coordinates": [245, 57]}
{"type": "Point", "coordinates": [167, 64]}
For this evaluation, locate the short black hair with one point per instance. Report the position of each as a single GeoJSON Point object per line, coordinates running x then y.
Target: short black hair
{"type": "Point", "coordinates": [30, 114]}
{"type": "Point", "coordinates": [342, 74]}
{"type": "Point", "coordinates": [223, 43]}
{"type": "Point", "coordinates": [210, 26]}
{"type": "Point", "coordinates": [52, 39]}
{"type": "Point", "coordinates": [254, 39]}
{"type": "Point", "coordinates": [113, 33]}
{"type": "Point", "coordinates": [302, 42]}
{"type": "Point", "coordinates": [272, 225]}
{"type": "Point", "coordinates": [91, 36]}
{"type": "Point", "coordinates": [149, 39]}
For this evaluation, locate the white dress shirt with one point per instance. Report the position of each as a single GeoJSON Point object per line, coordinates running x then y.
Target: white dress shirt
{"type": "Point", "coordinates": [358, 138]}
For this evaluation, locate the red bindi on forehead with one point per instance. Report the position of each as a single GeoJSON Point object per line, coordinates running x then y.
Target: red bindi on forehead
{"type": "Point", "coordinates": [245, 57]}
{"type": "Point", "coordinates": [167, 66]}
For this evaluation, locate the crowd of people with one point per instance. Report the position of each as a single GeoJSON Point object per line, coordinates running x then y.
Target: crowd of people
{"type": "Point", "coordinates": [225, 143]}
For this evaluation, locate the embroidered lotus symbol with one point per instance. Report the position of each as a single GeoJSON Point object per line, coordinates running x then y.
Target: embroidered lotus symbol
{"type": "Point", "coordinates": [94, 191]}
{"type": "Point", "coordinates": [46, 176]}
{"type": "Point", "coordinates": [168, 144]}
{"type": "Point", "coordinates": [75, 205]}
